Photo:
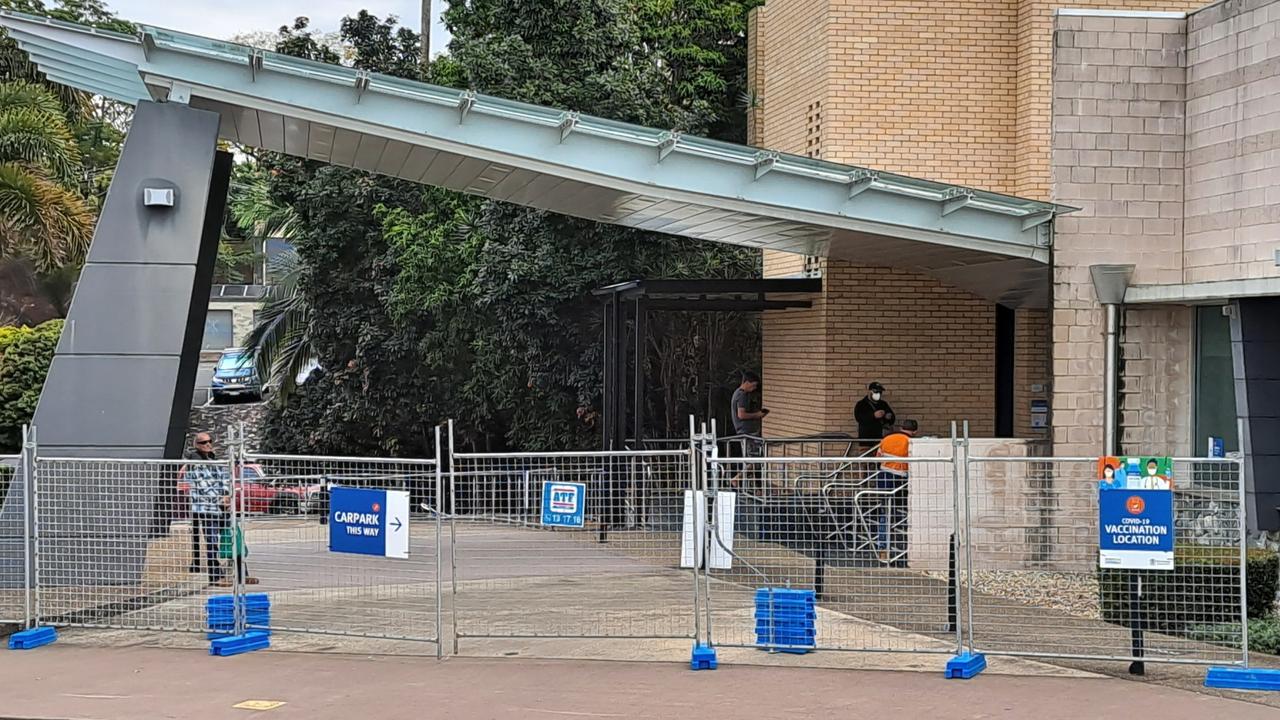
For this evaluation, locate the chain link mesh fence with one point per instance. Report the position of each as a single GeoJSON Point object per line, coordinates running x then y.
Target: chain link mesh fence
{"type": "Point", "coordinates": [875, 544]}
{"type": "Point", "coordinates": [617, 575]}
{"type": "Point", "coordinates": [1035, 587]}
{"type": "Point", "coordinates": [117, 543]}
{"type": "Point", "coordinates": [15, 601]}
{"type": "Point", "coordinates": [285, 522]}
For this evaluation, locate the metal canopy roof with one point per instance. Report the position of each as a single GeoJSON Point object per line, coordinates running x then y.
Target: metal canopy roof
{"type": "Point", "coordinates": [714, 295]}
{"type": "Point", "coordinates": [993, 245]}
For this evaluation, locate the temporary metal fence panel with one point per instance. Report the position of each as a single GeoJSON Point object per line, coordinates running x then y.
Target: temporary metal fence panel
{"type": "Point", "coordinates": [876, 547]}
{"type": "Point", "coordinates": [617, 574]}
{"type": "Point", "coordinates": [1034, 586]}
{"type": "Point", "coordinates": [114, 544]}
{"type": "Point", "coordinates": [314, 589]}
{"type": "Point", "coordinates": [15, 563]}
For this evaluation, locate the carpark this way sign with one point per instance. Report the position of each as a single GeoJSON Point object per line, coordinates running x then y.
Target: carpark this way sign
{"type": "Point", "coordinates": [369, 522]}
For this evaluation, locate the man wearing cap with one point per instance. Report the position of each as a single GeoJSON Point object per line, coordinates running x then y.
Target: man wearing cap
{"type": "Point", "coordinates": [873, 414]}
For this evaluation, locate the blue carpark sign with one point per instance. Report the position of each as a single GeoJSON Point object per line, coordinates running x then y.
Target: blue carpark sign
{"type": "Point", "coordinates": [1135, 529]}
{"type": "Point", "coordinates": [369, 522]}
{"type": "Point", "coordinates": [564, 504]}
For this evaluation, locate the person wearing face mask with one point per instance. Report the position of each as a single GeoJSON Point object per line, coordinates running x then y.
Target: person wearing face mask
{"type": "Point", "coordinates": [873, 415]}
{"type": "Point", "coordinates": [1152, 479]}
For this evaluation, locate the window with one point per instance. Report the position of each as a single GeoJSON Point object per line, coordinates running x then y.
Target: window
{"type": "Point", "coordinates": [1215, 393]}
{"type": "Point", "coordinates": [218, 327]}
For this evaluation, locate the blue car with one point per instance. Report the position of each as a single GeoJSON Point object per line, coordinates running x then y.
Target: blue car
{"type": "Point", "coordinates": [235, 376]}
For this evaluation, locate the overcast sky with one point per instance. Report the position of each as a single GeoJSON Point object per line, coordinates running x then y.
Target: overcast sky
{"type": "Point", "coordinates": [224, 18]}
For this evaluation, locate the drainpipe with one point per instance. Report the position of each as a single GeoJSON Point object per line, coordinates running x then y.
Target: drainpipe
{"type": "Point", "coordinates": [1110, 283]}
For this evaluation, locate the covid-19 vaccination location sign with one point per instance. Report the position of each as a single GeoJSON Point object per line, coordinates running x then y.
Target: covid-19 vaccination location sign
{"type": "Point", "coordinates": [369, 522]}
{"type": "Point", "coordinates": [564, 504]}
{"type": "Point", "coordinates": [1135, 513]}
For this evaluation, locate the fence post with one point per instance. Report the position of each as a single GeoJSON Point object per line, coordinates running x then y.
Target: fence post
{"type": "Point", "coordinates": [1243, 525]}
{"type": "Point", "coordinates": [235, 454]}
{"type": "Point", "coordinates": [453, 536]}
{"type": "Point", "coordinates": [439, 507]}
{"type": "Point", "coordinates": [953, 566]}
{"type": "Point", "coordinates": [29, 619]}
{"type": "Point", "coordinates": [968, 662]}
{"type": "Point", "coordinates": [968, 534]}
{"type": "Point", "coordinates": [694, 453]}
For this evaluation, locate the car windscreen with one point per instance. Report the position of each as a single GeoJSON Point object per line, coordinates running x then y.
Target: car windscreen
{"type": "Point", "coordinates": [233, 362]}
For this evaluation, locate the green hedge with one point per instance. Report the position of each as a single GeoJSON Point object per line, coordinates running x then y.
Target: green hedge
{"type": "Point", "coordinates": [1264, 635]}
{"type": "Point", "coordinates": [1202, 590]}
{"type": "Point", "coordinates": [25, 354]}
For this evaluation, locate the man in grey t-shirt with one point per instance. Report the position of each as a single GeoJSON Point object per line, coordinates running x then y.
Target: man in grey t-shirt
{"type": "Point", "coordinates": [745, 407]}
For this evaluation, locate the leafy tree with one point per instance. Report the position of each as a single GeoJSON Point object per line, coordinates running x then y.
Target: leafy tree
{"type": "Point", "coordinates": [25, 355]}
{"type": "Point", "coordinates": [424, 304]}
{"type": "Point", "coordinates": [40, 216]}
{"type": "Point", "coordinates": [97, 126]}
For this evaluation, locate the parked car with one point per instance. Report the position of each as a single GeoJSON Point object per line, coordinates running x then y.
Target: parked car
{"type": "Point", "coordinates": [235, 376]}
{"type": "Point", "coordinates": [260, 494]}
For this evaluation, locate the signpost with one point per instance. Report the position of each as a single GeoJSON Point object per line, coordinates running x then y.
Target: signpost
{"type": "Point", "coordinates": [369, 522]}
{"type": "Point", "coordinates": [1135, 530]}
{"type": "Point", "coordinates": [564, 504]}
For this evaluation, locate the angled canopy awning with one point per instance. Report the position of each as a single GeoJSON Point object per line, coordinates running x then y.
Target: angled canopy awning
{"type": "Point", "coordinates": [993, 245]}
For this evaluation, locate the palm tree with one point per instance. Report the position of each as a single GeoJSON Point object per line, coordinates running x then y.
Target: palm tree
{"type": "Point", "coordinates": [279, 345]}
{"type": "Point", "coordinates": [40, 216]}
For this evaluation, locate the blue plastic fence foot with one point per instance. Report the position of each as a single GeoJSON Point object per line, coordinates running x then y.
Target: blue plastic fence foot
{"type": "Point", "coordinates": [966, 665]}
{"type": "Point", "coordinates": [1238, 678]}
{"type": "Point", "coordinates": [237, 644]}
{"type": "Point", "coordinates": [33, 638]}
{"type": "Point", "coordinates": [703, 658]}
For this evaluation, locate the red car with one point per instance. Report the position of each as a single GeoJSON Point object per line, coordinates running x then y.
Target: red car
{"type": "Point", "coordinates": [257, 494]}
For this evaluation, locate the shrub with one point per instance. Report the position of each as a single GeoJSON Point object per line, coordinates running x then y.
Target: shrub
{"type": "Point", "coordinates": [25, 355]}
{"type": "Point", "coordinates": [1202, 590]}
{"type": "Point", "coordinates": [1264, 635]}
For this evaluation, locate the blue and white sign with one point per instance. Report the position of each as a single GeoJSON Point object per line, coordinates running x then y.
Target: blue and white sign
{"type": "Point", "coordinates": [1135, 529]}
{"type": "Point", "coordinates": [1216, 448]}
{"type": "Point", "coordinates": [564, 504]}
{"type": "Point", "coordinates": [369, 522]}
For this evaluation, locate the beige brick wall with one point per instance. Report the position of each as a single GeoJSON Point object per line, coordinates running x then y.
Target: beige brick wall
{"type": "Point", "coordinates": [931, 345]}
{"type": "Point", "coordinates": [912, 87]}
{"type": "Point", "coordinates": [789, 61]}
{"type": "Point", "coordinates": [1233, 142]}
{"type": "Point", "coordinates": [1117, 154]}
{"type": "Point", "coordinates": [925, 88]}
{"type": "Point", "coordinates": [1033, 353]}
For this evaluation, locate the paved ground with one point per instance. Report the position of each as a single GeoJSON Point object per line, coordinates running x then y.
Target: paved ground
{"type": "Point", "coordinates": [71, 682]}
{"type": "Point", "coordinates": [512, 581]}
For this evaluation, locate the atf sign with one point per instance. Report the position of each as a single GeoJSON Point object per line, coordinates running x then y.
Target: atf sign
{"type": "Point", "coordinates": [564, 504]}
{"type": "Point", "coordinates": [369, 522]}
{"type": "Point", "coordinates": [1135, 529]}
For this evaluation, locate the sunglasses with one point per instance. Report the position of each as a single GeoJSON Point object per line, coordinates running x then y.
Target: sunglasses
{"type": "Point", "coordinates": [204, 442]}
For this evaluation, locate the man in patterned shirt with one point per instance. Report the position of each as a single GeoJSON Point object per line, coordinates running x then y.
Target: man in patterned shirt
{"type": "Point", "coordinates": [209, 495]}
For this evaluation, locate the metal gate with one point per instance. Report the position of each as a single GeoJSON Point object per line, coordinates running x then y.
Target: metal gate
{"type": "Point", "coordinates": [877, 550]}
{"type": "Point", "coordinates": [284, 517]}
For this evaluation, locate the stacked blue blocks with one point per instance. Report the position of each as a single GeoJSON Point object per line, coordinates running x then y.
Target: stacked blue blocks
{"type": "Point", "coordinates": [220, 612]}
{"type": "Point", "coordinates": [785, 620]}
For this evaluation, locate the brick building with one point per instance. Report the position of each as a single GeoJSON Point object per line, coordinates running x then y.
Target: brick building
{"type": "Point", "coordinates": [1158, 119]}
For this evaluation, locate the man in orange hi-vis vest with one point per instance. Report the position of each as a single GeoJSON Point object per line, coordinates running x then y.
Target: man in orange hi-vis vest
{"type": "Point", "coordinates": [891, 484]}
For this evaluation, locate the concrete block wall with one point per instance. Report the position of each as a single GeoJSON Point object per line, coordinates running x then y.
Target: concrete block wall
{"type": "Point", "coordinates": [1118, 147]}
{"type": "Point", "coordinates": [1034, 83]}
{"type": "Point", "coordinates": [1233, 142]}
